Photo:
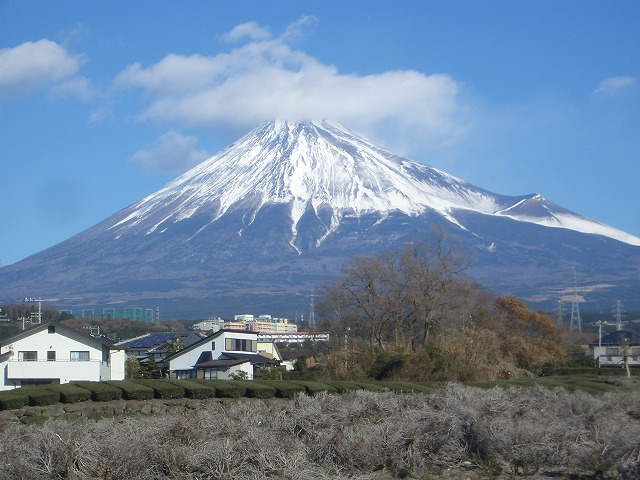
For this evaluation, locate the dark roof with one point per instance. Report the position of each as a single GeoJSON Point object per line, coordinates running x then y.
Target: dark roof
{"type": "Point", "coordinates": [294, 354]}
{"type": "Point", "coordinates": [254, 358]}
{"type": "Point", "coordinates": [220, 363]}
{"type": "Point", "coordinates": [618, 338]}
{"type": "Point", "coordinates": [156, 339]}
{"type": "Point", "coordinates": [213, 336]}
{"type": "Point", "coordinates": [59, 326]}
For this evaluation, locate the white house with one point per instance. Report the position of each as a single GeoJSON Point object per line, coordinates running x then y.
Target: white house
{"type": "Point", "coordinates": [53, 353]}
{"type": "Point", "coordinates": [612, 349]}
{"type": "Point", "coordinates": [219, 356]}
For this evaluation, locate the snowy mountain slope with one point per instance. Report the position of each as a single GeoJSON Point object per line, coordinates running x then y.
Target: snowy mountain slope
{"type": "Point", "coordinates": [322, 165]}
{"type": "Point", "coordinates": [279, 212]}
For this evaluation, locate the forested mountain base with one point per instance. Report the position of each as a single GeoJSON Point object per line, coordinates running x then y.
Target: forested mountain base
{"type": "Point", "coordinates": [456, 432]}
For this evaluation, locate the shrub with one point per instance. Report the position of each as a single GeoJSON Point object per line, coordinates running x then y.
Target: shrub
{"type": "Point", "coordinates": [70, 393]}
{"type": "Point", "coordinates": [13, 399]}
{"type": "Point", "coordinates": [285, 388]}
{"type": "Point", "coordinates": [256, 390]}
{"type": "Point", "coordinates": [372, 386]}
{"type": "Point", "coordinates": [162, 388]}
{"type": "Point", "coordinates": [343, 386]}
{"type": "Point", "coordinates": [194, 389]}
{"type": "Point", "coordinates": [101, 392]}
{"type": "Point", "coordinates": [227, 388]}
{"type": "Point", "coordinates": [313, 388]}
{"type": "Point", "coordinates": [132, 390]}
{"type": "Point", "coordinates": [42, 396]}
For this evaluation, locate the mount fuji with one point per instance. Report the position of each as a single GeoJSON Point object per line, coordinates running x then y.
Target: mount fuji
{"type": "Point", "coordinates": [259, 225]}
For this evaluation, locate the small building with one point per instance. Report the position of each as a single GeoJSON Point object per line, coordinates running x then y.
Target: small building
{"type": "Point", "coordinates": [293, 337]}
{"type": "Point", "coordinates": [156, 345]}
{"type": "Point", "coordinates": [53, 353]}
{"type": "Point", "coordinates": [221, 355]}
{"type": "Point", "coordinates": [213, 324]}
{"type": "Point", "coordinates": [610, 350]}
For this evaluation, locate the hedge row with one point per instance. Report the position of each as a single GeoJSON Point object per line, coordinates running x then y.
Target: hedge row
{"type": "Point", "coordinates": [132, 390]}
{"type": "Point", "coordinates": [13, 399]}
{"type": "Point", "coordinates": [144, 389]}
{"type": "Point", "coordinates": [193, 389]}
{"type": "Point", "coordinates": [70, 393]}
{"type": "Point", "coordinates": [101, 391]}
{"type": "Point", "coordinates": [162, 388]}
{"type": "Point", "coordinates": [225, 388]}
{"type": "Point", "coordinates": [42, 396]}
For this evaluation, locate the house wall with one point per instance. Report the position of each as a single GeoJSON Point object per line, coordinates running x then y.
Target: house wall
{"type": "Point", "coordinates": [270, 349]}
{"type": "Point", "coordinates": [188, 359]}
{"type": "Point", "coordinates": [98, 367]}
{"type": "Point", "coordinates": [609, 356]}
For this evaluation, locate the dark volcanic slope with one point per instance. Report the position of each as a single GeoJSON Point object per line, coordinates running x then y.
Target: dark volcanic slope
{"type": "Point", "coordinates": [258, 226]}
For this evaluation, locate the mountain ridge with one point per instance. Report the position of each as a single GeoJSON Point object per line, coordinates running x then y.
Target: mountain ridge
{"type": "Point", "coordinates": [278, 212]}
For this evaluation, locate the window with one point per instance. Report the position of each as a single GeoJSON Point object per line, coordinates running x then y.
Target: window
{"type": "Point", "coordinates": [241, 345]}
{"type": "Point", "coordinates": [614, 351]}
{"type": "Point", "coordinates": [27, 356]}
{"type": "Point", "coordinates": [51, 329]}
{"type": "Point", "coordinates": [51, 356]}
{"type": "Point", "coordinates": [82, 356]}
{"type": "Point", "coordinates": [213, 346]}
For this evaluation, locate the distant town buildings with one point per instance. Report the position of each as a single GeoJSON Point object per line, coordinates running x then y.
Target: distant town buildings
{"type": "Point", "coordinates": [268, 328]}
{"type": "Point", "coordinates": [249, 323]}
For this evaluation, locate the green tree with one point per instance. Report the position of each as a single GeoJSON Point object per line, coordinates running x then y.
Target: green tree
{"type": "Point", "coordinates": [131, 366]}
{"type": "Point", "coordinates": [175, 345]}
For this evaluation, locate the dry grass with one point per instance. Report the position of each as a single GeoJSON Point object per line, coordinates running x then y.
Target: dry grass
{"type": "Point", "coordinates": [457, 432]}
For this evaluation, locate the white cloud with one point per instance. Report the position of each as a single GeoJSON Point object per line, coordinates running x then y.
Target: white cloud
{"type": "Point", "coordinates": [32, 65]}
{"type": "Point", "coordinates": [613, 85]}
{"type": "Point", "coordinates": [172, 152]}
{"type": "Point", "coordinates": [250, 30]}
{"type": "Point", "coordinates": [76, 87]}
{"type": "Point", "coordinates": [266, 78]}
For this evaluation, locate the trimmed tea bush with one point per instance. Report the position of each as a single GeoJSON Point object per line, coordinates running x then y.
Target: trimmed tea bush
{"type": "Point", "coordinates": [132, 390]}
{"type": "Point", "coordinates": [226, 388]}
{"type": "Point", "coordinates": [100, 391]}
{"type": "Point", "coordinates": [313, 388]}
{"type": "Point", "coordinates": [343, 386]}
{"type": "Point", "coordinates": [194, 389]}
{"type": "Point", "coordinates": [70, 393]}
{"type": "Point", "coordinates": [256, 390]}
{"type": "Point", "coordinates": [373, 386]}
{"type": "Point", "coordinates": [285, 388]}
{"type": "Point", "coordinates": [13, 399]}
{"type": "Point", "coordinates": [42, 396]}
{"type": "Point", "coordinates": [162, 388]}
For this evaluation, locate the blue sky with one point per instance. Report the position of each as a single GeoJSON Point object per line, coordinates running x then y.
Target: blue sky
{"type": "Point", "coordinates": [102, 103]}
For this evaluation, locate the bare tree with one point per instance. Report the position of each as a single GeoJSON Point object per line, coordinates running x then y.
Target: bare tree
{"type": "Point", "coordinates": [397, 297]}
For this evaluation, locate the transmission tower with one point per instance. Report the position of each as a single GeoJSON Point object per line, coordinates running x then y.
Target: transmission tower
{"type": "Point", "coordinates": [560, 312]}
{"type": "Point", "coordinates": [312, 312]}
{"type": "Point", "coordinates": [576, 322]}
{"type": "Point", "coordinates": [618, 314]}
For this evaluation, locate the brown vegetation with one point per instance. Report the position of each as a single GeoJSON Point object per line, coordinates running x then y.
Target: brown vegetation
{"type": "Point", "coordinates": [495, 433]}
{"type": "Point", "coordinates": [412, 315]}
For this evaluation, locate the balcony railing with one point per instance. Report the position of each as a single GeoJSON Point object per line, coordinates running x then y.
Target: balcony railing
{"type": "Point", "coordinates": [62, 369]}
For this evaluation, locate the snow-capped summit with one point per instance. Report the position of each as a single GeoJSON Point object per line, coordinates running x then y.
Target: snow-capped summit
{"type": "Point", "coordinates": [324, 168]}
{"type": "Point", "coordinates": [279, 212]}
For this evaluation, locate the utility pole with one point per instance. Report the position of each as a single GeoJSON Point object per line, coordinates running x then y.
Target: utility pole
{"type": "Point", "coordinates": [576, 322]}
{"type": "Point", "coordinates": [312, 313]}
{"type": "Point", "coordinates": [618, 314]}
{"type": "Point", "coordinates": [560, 312]}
